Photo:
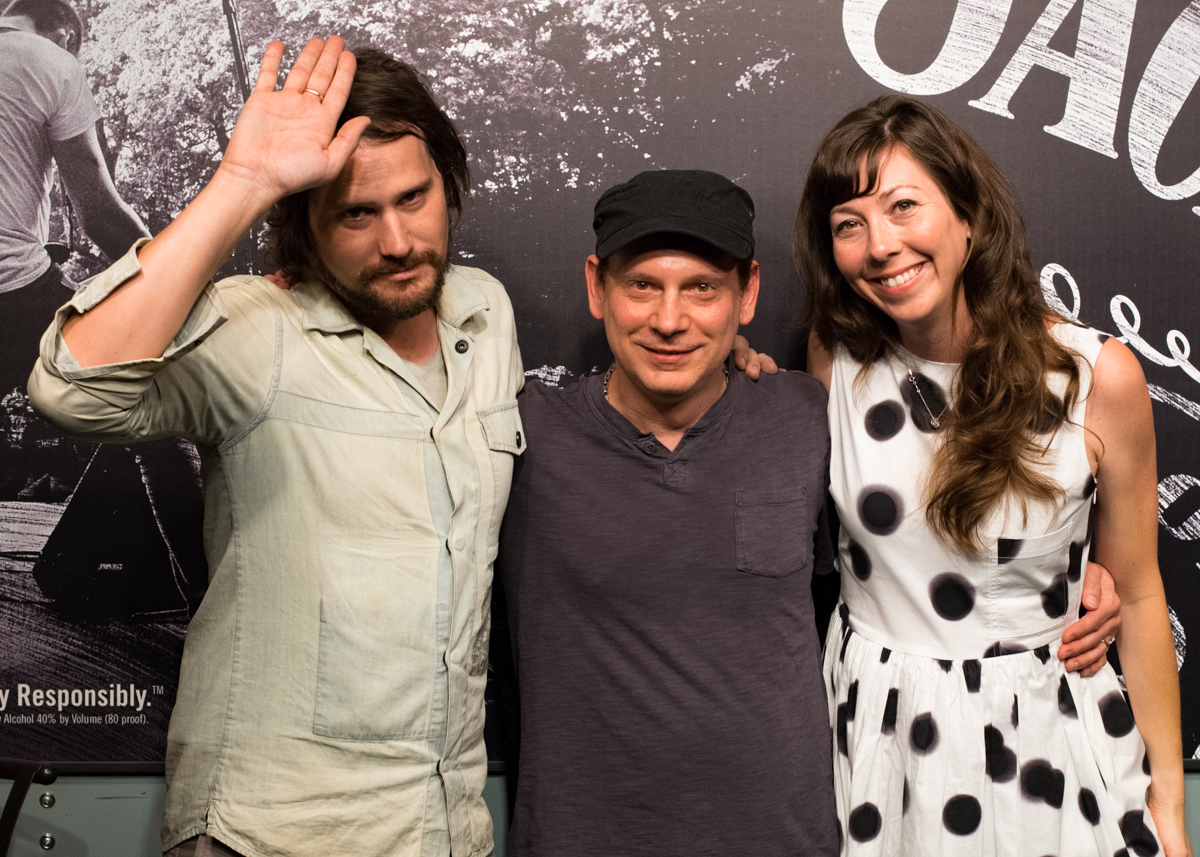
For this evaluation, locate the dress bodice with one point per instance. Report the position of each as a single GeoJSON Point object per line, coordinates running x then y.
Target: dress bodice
{"type": "Point", "coordinates": [904, 588]}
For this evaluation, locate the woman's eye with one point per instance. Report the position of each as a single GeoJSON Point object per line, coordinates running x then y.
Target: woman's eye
{"type": "Point", "coordinates": [843, 226]}
{"type": "Point", "coordinates": [905, 205]}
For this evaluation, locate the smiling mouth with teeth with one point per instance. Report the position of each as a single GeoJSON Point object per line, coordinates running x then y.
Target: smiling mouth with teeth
{"type": "Point", "coordinates": [892, 282]}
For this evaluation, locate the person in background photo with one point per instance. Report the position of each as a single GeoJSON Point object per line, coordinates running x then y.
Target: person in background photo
{"type": "Point", "coordinates": [47, 118]}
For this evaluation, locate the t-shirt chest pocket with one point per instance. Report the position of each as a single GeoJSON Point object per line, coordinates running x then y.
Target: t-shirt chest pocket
{"type": "Point", "coordinates": [773, 531]}
{"type": "Point", "coordinates": [505, 438]}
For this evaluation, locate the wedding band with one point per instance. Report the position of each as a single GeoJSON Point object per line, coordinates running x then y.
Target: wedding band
{"type": "Point", "coordinates": [1108, 643]}
{"type": "Point", "coordinates": [319, 95]}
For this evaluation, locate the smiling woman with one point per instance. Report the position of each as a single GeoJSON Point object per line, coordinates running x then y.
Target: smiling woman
{"type": "Point", "coordinates": [979, 443]}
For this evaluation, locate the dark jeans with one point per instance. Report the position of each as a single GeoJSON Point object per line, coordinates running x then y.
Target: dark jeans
{"type": "Point", "coordinates": [25, 313]}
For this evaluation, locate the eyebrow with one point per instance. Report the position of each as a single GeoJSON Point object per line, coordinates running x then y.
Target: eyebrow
{"type": "Point", "coordinates": [353, 202]}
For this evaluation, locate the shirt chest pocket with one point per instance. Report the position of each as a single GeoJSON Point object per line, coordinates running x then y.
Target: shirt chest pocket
{"type": "Point", "coordinates": [505, 439]}
{"type": "Point", "coordinates": [773, 532]}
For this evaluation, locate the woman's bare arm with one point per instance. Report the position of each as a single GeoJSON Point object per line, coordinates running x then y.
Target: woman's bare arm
{"type": "Point", "coordinates": [1121, 444]}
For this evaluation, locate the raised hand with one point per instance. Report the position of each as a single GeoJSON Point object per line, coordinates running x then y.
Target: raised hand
{"type": "Point", "coordinates": [284, 141]}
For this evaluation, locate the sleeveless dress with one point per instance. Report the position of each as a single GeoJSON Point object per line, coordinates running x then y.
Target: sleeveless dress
{"type": "Point", "coordinates": [956, 728]}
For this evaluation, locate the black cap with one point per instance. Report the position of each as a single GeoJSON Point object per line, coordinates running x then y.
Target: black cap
{"type": "Point", "coordinates": [698, 203]}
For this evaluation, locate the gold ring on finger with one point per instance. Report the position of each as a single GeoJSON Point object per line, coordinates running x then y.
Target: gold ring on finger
{"type": "Point", "coordinates": [320, 97]}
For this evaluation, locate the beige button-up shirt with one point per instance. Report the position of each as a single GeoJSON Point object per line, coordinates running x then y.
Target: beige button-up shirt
{"type": "Point", "coordinates": [312, 716]}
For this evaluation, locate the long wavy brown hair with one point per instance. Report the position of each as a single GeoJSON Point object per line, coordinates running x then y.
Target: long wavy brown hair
{"type": "Point", "coordinates": [1005, 413]}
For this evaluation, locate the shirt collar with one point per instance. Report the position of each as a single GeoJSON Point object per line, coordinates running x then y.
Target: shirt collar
{"type": "Point", "coordinates": [461, 300]}
{"type": "Point", "coordinates": [593, 387]}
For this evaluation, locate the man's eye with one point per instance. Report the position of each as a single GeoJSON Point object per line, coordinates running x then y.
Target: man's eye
{"type": "Point", "coordinates": [703, 288]}
{"type": "Point", "coordinates": [354, 213]}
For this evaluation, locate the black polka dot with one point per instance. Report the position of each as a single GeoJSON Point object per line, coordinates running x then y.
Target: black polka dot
{"type": "Point", "coordinates": [851, 699]}
{"type": "Point", "coordinates": [1075, 562]}
{"type": "Point", "coordinates": [884, 654]}
{"type": "Point", "coordinates": [952, 595]}
{"type": "Point", "coordinates": [904, 799]}
{"type": "Point", "coordinates": [1066, 702]}
{"type": "Point", "coordinates": [1137, 835]}
{"type": "Point", "coordinates": [889, 711]}
{"type": "Point", "coordinates": [1114, 711]}
{"type": "Point", "coordinates": [1088, 806]}
{"type": "Point", "coordinates": [1054, 597]}
{"type": "Point", "coordinates": [925, 406]}
{"type": "Point", "coordinates": [1042, 781]}
{"type": "Point", "coordinates": [961, 815]}
{"type": "Point", "coordinates": [1042, 653]}
{"type": "Point", "coordinates": [842, 742]}
{"type": "Point", "coordinates": [971, 674]}
{"type": "Point", "coordinates": [1121, 852]}
{"type": "Point", "coordinates": [946, 665]}
{"type": "Point", "coordinates": [1001, 762]}
{"type": "Point", "coordinates": [1006, 549]}
{"type": "Point", "coordinates": [860, 563]}
{"type": "Point", "coordinates": [1015, 718]}
{"type": "Point", "coordinates": [844, 612]}
{"type": "Point", "coordinates": [1146, 764]}
{"type": "Point", "coordinates": [924, 733]}
{"type": "Point", "coordinates": [880, 509]}
{"type": "Point", "coordinates": [1089, 487]}
{"type": "Point", "coordinates": [845, 643]}
{"type": "Point", "coordinates": [885, 420]}
{"type": "Point", "coordinates": [864, 823]}
{"type": "Point", "coordinates": [996, 650]}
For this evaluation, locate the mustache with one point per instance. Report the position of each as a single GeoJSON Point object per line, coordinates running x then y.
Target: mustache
{"type": "Point", "coordinates": [403, 265]}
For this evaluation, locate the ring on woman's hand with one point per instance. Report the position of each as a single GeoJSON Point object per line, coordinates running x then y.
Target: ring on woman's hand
{"type": "Point", "coordinates": [1108, 643]}
{"type": "Point", "coordinates": [319, 95]}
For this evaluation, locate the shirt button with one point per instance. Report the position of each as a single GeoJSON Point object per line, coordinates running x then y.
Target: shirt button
{"type": "Point", "coordinates": [649, 448]}
{"type": "Point", "coordinates": [461, 346]}
{"type": "Point", "coordinates": [518, 439]}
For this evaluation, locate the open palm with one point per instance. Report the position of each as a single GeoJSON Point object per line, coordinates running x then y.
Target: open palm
{"type": "Point", "coordinates": [284, 141]}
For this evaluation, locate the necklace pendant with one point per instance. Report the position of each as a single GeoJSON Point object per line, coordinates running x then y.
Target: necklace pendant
{"type": "Point", "coordinates": [936, 422]}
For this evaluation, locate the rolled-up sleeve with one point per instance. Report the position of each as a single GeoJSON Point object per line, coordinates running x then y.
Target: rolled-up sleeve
{"type": "Point", "coordinates": [204, 387]}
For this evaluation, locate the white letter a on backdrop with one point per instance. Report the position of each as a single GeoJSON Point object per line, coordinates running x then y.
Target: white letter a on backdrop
{"type": "Point", "coordinates": [1097, 70]}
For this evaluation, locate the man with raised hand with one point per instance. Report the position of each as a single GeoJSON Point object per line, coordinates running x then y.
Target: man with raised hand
{"type": "Point", "coordinates": [357, 435]}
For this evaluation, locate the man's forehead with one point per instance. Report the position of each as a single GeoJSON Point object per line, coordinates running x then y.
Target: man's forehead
{"type": "Point", "coordinates": [385, 164]}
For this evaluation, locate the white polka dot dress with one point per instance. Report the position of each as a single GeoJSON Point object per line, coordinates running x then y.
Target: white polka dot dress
{"type": "Point", "coordinates": [956, 729]}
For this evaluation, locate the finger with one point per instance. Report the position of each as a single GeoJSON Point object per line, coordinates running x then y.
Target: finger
{"type": "Point", "coordinates": [1089, 641]}
{"type": "Point", "coordinates": [769, 365]}
{"type": "Point", "coordinates": [268, 72]}
{"type": "Point", "coordinates": [343, 145]}
{"type": "Point", "coordinates": [1091, 586]}
{"type": "Point", "coordinates": [1092, 659]}
{"type": "Point", "coordinates": [327, 64]}
{"type": "Point", "coordinates": [338, 89]}
{"type": "Point", "coordinates": [741, 351]}
{"type": "Point", "coordinates": [297, 79]}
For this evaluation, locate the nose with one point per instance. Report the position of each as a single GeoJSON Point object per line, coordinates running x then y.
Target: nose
{"type": "Point", "coordinates": [670, 314]}
{"type": "Point", "coordinates": [883, 242]}
{"type": "Point", "coordinates": [395, 239]}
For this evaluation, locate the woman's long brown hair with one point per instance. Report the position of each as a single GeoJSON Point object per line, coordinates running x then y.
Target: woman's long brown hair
{"type": "Point", "coordinates": [1005, 413]}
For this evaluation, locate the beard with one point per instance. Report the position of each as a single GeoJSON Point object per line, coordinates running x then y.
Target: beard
{"type": "Point", "coordinates": [388, 303]}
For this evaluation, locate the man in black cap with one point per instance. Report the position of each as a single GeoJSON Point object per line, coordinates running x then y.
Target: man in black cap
{"type": "Point", "coordinates": [656, 560]}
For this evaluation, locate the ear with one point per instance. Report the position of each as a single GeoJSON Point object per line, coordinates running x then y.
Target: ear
{"type": "Point", "coordinates": [749, 299]}
{"type": "Point", "coordinates": [595, 288]}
